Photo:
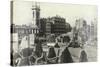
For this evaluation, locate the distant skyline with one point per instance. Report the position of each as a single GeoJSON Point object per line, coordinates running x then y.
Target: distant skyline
{"type": "Point", "coordinates": [22, 11]}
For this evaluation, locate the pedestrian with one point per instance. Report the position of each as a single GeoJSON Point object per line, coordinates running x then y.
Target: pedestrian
{"type": "Point", "coordinates": [83, 57]}
{"type": "Point", "coordinates": [51, 59]}
{"type": "Point", "coordinates": [66, 56]}
{"type": "Point", "coordinates": [51, 53]}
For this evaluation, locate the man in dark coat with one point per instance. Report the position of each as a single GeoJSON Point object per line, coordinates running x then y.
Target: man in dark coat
{"type": "Point", "coordinates": [51, 59]}
{"type": "Point", "coordinates": [39, 49]}
{"type": "Point", "coordinates": [51, 52]}
{"type": "Point", "coordinates": [66, 56]}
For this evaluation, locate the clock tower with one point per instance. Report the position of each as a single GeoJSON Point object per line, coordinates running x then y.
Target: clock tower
{"type": "Point", "coordinates": [36, 14]}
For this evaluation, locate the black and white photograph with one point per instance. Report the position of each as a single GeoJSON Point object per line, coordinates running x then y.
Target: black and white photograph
{"type": "Point", "coordinates": [52, 33]}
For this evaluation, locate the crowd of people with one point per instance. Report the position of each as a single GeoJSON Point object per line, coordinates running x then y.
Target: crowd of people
{"type": "Point", "coordinates": [29, 56]}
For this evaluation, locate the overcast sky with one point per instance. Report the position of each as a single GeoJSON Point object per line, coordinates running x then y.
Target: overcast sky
{"type": "Point", "coordinates": [22, 12]}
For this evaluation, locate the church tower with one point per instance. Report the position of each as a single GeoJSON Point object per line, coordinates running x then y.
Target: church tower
{"type": "Point", "coordinates": [36, 14]}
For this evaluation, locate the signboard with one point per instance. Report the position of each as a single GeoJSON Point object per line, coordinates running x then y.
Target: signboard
{"type": "Point", "coordinates": [31, 38]}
